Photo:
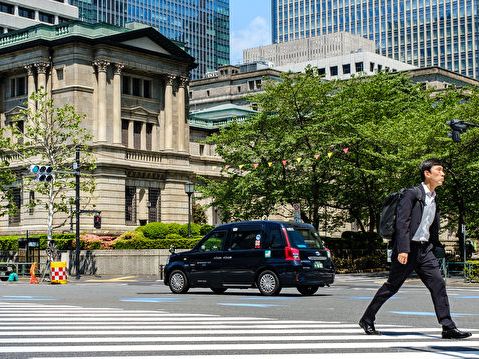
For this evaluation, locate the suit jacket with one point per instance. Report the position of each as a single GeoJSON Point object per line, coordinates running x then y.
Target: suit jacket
{"type": "Point", "coordinates": [408, 218]}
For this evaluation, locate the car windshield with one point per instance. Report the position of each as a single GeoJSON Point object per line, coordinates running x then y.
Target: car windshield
{"type": "Point", "coordinates": [304, 238]}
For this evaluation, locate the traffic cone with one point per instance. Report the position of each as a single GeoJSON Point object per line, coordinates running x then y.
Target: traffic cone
{"type": "Point", "coordinates": [33, 277]}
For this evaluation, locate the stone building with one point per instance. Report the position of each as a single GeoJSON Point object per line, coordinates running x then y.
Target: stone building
{"type": "Point", "coordinates": [131, 83]}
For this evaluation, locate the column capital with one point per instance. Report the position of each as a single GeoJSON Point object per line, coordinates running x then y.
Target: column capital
{"type": "Point", "coordinates": [101, 65]}
{"type": "Point", "coordinates": [41, 67]}
{"type": "Point", "coordinates": [183, 81]}
{"type": "Point", "coordinates": [118, 69]}
{"type": "Point", "coordinates": [170, 79]}
{"type": "Point", "coordinates": [30, 69]}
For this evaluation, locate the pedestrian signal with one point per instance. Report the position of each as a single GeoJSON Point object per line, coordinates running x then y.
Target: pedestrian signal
{"type": "Point", "coordinates": [42, 173]}
{"type": "Point", "coordinates": [97, 221]}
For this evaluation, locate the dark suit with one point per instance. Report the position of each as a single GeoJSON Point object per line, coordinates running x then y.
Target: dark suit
{"type": "Point", "coordinates": [420, 259]}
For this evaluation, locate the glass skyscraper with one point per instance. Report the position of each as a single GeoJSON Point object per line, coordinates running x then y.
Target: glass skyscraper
{"type": "Point", "coordinates": [441, 33]}
{"type": "Point", "coordinates": [202, 25]}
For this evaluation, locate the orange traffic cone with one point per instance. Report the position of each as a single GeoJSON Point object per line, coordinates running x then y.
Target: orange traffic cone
{"type": "Point", "coordinates": [33, 277]}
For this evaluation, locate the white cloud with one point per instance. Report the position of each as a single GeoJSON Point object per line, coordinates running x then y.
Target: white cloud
{"type": "Point", "coordinates": [257, 33]}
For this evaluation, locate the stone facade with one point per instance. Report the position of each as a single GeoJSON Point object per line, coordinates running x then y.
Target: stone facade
{"type": "Point", "coordinates": [131, 84]}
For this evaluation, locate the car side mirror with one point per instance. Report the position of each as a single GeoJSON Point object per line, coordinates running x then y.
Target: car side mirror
{"type": "Point", "coordinates": [172, 249]}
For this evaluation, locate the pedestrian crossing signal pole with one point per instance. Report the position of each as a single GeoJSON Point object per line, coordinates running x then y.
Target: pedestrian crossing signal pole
{"type": "Point", "coordinates": [76, 168]}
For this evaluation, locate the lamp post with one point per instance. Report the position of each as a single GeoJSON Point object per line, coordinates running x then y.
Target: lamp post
{"type": "Point", "coordinates": [189, 190]}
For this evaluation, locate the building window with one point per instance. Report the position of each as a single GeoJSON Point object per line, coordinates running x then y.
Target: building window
{"type": "Point", "coordinates": [147, 88]}
{"type": "Point", "coordinates": [154, 205]}
{"type": "Point", "coordinates": [190, 95]}
{"type": "Point", "coordinates": [136, 86]}
{"type": "Point", "coordinates": [258, 84]}
{"type": "Point", "coordinates": [60, 74]}
{"type": "Point", "coordinates": [251, 85]}
{"type": "Point", "coordinates": [359, 66]}
{"type": "Point", "coordinates": [126, 85]}
{"type": "Point", "coordinates": [130, 205]}
{"type": "Point", "coordinates": [333, 71]}
{"type": "Point", "coordinates": [24, 12]}
{"type": "Point", "coordinates": [322, 71]}
{"type": "Point", "coordinates": [346, 69]}
{"type": "Point", "coordinates": [380, 68]}
{"type": "Point", "coordinates": [371, 66]}
{"type": "Point", "coordinates": [124, 132]}
{"type": "Point", "coordinates": [16, 203]}
{"type": "Point", "coordinates": [208, 93]}
{"type": "Point", "coordinates": [137, 135]}
{"type": "Point", "coordinates": [44, 17]}
{"type": "Point", "coordinates": [18, 86]}
{"type": "Point", "coordinates": [7, 8]}
{"type": "Point", "coordinates": [239, 88]}
{"type": "Point", "coordinates": [31, 202]}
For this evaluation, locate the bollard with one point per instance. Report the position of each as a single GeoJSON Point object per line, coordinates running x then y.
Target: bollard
{"type": "Point", "coordinates": [33, 277]}
{"type": "Point", "coordinates": [58, 272]}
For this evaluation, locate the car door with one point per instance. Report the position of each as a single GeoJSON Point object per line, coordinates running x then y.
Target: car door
{"type": "Point", "coordinates": [206, 260]}
{"type": "Point", "coordinates": [243, 254]}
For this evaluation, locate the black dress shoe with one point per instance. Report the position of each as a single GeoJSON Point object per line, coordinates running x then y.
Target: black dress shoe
{"type": "Point", "coordinates": [454, 334]}
{"type": "Point", "coordinates": [368, 328]}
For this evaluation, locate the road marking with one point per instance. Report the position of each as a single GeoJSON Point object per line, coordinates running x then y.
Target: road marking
{"type": "Point", "coordinates": [117, 279]}
{"type": "Point", "coordinates": [431, 314]}
{"type": "Point", "coordinates": [257, 305]}
{"type": "Point", "coordinates": [152, 300]}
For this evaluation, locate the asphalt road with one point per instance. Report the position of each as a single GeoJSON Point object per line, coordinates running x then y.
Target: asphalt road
{"type": "Point", "coordinates": [339, 306]}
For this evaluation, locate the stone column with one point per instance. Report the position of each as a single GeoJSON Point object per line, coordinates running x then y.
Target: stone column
{"type": "Point", "coordinates": [169, 112]}
{"type": "Point", "coordinates": [131, 135]}
{"type": "Point", "coordinates": [42, 75]}
{"type": "Point", "coordinates": [117, 104]}
{"type": "Point", "coordinates": [182, 123]}
{"type": "Point", "coordinates": [101, 66]}
{"type": "Point", "coordinates": [31, 86]}
{"type": "Point", "coordinates": [143, 136]}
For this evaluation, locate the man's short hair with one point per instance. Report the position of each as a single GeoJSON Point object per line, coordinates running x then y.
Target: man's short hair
{"type": "Point", "coordinates": [427, 165]}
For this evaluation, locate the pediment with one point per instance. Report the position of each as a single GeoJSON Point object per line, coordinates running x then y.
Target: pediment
{"type": "Point", "coordinates": [145, 43]}
{"type": "Point", "coordinates": [139, 113]}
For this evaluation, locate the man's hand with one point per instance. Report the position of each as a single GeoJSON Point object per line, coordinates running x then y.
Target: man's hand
{"type": "Point", "coordinates": [402, 258]}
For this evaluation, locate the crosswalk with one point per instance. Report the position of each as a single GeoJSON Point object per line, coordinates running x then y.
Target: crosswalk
{"type": "Point", "coordinates": [40, 330]}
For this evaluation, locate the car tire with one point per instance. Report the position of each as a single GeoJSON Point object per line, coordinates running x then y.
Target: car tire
{"type": "Point", "coordinates": [178, 282]}
{"type": "Point", "coordinates": [219, 290]}
{"type": "Point", "coordinates": [307, 289]}
{"type": "Point", "coordinates": [268, 283]}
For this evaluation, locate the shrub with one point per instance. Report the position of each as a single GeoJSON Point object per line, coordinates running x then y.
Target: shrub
{"type": "Point", "coordinates": [155, 230]}
{"type": "Point", "coordinates": [174, 236]}
{"type": "Point", "coordinates": [205, 228]}
{"type": "Point", "coordinates": [131, 235]}
{"type": "Point", "coordinates": [195, 229]}
{"type": "Point", "coordinates": [9, 243]}
{"type": "Point", "coordinates": [164, 243]}
{"type": "Point", "coordinates": [472, 271]}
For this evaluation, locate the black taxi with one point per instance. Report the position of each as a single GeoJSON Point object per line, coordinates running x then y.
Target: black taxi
{"type": "Point", "coordinates": [269, 255]}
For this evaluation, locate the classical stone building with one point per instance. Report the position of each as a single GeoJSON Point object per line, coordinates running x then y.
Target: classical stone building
{"type": "Point", "coordinates": [131, 83]}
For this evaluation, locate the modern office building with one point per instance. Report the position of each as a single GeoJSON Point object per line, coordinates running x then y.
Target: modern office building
{"type": "Point", "coordinates": [19, 14]}
{"type": "Point", "coordinates": [201, 25]}
{"type": "Point", "coordinates": [423, 33]}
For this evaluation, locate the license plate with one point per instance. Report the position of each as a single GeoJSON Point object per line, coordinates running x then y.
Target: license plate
{"type": "Point", "coordinates": [317, 264]}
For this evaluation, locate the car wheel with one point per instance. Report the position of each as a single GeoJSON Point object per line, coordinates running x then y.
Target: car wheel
{"type": "Point", "coordinates": [178, 282]}
{"type": "Point", "coordinates": [307, 289]}
{"type": "Point", "coordinates": [219, 290]}
{"type": "Point", "coordinates": [268, 283]}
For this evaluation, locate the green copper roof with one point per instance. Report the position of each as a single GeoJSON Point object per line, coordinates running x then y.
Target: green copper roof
{"type": "Point", "coordinates": [63, 30]}
{"type": "Point", "coordinates": [219, 116]}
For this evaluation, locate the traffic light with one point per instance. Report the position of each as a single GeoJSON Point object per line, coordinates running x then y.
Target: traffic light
{"type": "Point", "coordinates": [97, 221]}
{"type": "Point", "coordinates": [42, 173]}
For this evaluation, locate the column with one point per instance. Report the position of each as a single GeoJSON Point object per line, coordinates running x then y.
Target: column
{"type": "Point", "coordinates": [182, 123]}
{"type": "Point", "coordinates": [31, 86]}
{"type": "Point", "coordinates": [41, 75]}
{"type": "Point", "coordinates": [169, 112]}
{"type": "Point", "coordinates": [143, 136]}
{"type": "Point", "coordinates": [117, 104]}
{"type": "Point", "coordinates": [131, 135]}
{"type": "Point", "coordinates": [101, 66]}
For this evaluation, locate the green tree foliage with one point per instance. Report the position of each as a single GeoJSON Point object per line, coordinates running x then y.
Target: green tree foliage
{"type": "Point", "coordinates": [347, 145]}
{"type": "Point", "coordinates": [7, 176]}
{"type": "Point", "coordinates": [49, 137]}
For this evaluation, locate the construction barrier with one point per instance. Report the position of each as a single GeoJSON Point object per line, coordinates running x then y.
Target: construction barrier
{"type": "Point", "coordinates": [58, 272]}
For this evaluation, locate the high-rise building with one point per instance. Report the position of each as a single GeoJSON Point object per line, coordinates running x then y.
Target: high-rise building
{"type": "Point", "coordinates": [19, 14]}
{"type": "Point", "coordinates": [423, 33]}
{"type": "Point", "coordinates": [201, 25]}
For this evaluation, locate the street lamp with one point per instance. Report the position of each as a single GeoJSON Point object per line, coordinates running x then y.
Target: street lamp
{"type": "Point", "coordinates": [189, 190]}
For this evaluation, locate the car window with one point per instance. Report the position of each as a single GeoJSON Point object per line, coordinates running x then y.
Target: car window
{"type": "Point", "coordinates": [311, 237]}
{"type": "Point", "coordinates": [214, 242]}
{"type": "Point", "coordinates": [277, 240]}
{"type": "Point", "coordinates": [246, 238]}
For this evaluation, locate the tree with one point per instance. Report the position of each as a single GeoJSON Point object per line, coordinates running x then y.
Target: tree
{"type": "Point", "coordinates": [7, 176]}
{"type": "Point", "coordinates": [340, 144]}
{"type": "Point", "coordinates": [50, 136]}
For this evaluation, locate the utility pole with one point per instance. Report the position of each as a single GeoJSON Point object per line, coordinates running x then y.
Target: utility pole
{"type": "Point", "coordinates": [76, 168]}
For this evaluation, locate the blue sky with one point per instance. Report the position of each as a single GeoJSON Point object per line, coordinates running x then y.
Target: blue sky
{"type": "Point", "coordinates": [250, 26]}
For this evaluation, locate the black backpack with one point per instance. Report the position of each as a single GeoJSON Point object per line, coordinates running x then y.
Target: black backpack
{"type": "Point", "coordinates": [387, 220]}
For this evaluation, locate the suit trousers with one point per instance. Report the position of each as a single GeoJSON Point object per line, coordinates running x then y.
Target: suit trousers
{"type": "Point", "coordinates": [421, 259]}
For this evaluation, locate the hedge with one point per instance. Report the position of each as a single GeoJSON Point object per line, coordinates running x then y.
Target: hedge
{"type": "Point", "coordinates": [472, 271]}
{"type": "Point", "coordinates": [157, 230]}
{"type": "Point", "coordinates": [146, 243]}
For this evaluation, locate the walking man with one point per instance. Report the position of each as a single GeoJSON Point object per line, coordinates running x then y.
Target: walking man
{"type": "Point", "coordinates": [415, 236]}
